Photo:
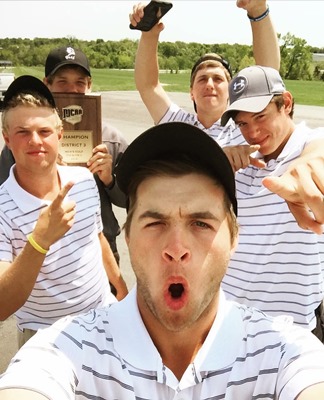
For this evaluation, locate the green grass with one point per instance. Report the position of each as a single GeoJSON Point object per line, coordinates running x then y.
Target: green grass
{"type": "Point", "coordinates": [304, 92]}
{"type": "Point", "coordinates": [307, 92]}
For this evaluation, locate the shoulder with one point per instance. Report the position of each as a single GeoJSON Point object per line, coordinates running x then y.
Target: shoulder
{"type": "Point", "coordinates": [175, 113]}
{"type": "Point", "coordinates": [279, 334]}
{"type": "Point", "coordinates": [88, 330]}
{"type": "Point", "coordinates": [75, 172]}
{"type": "Point", "coordinates": [82, 178]}
{"type": "Point", "coordinates": [109, 132]}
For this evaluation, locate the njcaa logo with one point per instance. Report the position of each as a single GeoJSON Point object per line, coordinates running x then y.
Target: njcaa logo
{"type": "Point", "coordinates": [239, 85]}
{"type": "Point", "coordinates": [72, 114]}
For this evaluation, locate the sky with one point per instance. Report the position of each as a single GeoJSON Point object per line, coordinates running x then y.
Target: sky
{"type": "Point", "coordinates": [188, 21]}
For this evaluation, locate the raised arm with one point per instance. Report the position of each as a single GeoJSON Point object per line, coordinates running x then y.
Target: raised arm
{"type": "Point", "coordinates": [265, 41]}
{"type": "Point", "coordinates": [147, 69]}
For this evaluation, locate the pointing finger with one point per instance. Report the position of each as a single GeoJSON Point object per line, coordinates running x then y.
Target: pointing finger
{"type": "Point", "coordinates": [62, 193]}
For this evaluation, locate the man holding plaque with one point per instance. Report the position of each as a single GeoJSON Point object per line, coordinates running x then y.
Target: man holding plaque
{"type": "Point", "coordinates": [67, 70]}
{"type": "Point", "coordinates": [54, 259]}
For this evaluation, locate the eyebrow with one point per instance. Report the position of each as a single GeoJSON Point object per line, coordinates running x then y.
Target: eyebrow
{"type": "Point", "coordinates": [152, 214]}
{"type": "Point", "coordinates": [213, 74]}
{"type": "Point", "coordinates": [194, 215]}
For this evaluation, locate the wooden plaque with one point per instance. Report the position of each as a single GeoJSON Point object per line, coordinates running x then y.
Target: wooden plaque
{"type": "Point", "coordinates": [81, 116]}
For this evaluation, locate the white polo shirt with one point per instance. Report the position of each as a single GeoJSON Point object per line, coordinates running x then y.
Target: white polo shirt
{"type": "Point", "coordinates": [228, 135]}
{"type": "Point", "coordinates": [72, 278]}
{"type": "Point", "coordinates": [277, 267]}
{"type": "Point", "coordinates": [108, 354]}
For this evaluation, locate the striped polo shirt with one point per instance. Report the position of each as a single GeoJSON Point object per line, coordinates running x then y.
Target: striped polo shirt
{"type": "Point", "coordinates": [108, 354]}
{"type": "Point", "coordinates": [72, 279]}
{"type": "Point", "coordinates": [227, 135]}
{"type": "Point", "coordinates": [277, 267]}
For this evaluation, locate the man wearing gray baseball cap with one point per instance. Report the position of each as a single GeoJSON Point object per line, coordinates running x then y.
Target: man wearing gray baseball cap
{"type": "Point", "coordinates": [277, 266]}
{"type": "Point", "coordinates": [252, 89]}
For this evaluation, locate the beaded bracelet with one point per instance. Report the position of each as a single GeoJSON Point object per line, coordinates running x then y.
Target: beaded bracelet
{"type": "Point", "coordinates": [36, 246]}
{"type": "Point", "coordinates": [260, 17]}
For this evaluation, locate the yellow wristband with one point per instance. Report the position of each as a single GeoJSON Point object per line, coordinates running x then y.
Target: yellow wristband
{"type": "Point", "coordinates": [36, 246]}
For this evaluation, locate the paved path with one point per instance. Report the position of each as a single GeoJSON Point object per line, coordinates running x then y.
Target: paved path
{"type": "Point", "coordinates": [126, 112]}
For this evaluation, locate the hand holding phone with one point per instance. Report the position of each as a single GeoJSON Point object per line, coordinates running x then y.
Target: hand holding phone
{"type": "Point", "coordinates": [153, 12]}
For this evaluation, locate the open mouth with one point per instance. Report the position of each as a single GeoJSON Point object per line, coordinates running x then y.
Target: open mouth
{"type": "Point", "coordinates": [176, 290]}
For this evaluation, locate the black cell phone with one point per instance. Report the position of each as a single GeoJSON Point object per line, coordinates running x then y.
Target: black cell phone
{"type": "Point", "coordinates": [153, 12]}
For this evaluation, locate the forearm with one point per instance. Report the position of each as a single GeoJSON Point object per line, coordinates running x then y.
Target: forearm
{"type": "Point", "coordinates": [17, 280]}
{"type": "Point", "coordinates": [117, 197]}
{"type": "Point", "coordinates": [265, 41]}
{"type": "Point", "coordinates": [313, 150]}
{"type": "Point", "coordinates": [146, 62]}
{"type": "Point", "coordinates": [112, 270]}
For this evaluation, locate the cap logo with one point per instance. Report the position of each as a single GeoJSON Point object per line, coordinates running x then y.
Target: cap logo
{"type": "Point", "coordinates": [239, 84]}
{"type": "Point", "coordinates": [70, 53]}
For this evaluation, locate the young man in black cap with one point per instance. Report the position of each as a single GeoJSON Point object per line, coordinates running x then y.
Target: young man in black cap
{"type": "Point", "coordinates": [54, 259]}
{"type": "Point", "coordinates": [277, 266]}
{"type": "Point", "coordinates": [187, 340]}
{"type": "Point", "coordinates": [209, 78]}
{"type": "Point", "coordinates": [67, 70]}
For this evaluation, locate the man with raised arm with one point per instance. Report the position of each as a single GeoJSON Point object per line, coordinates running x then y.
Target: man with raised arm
{"type": "Point", "coordinates": [209, 84]}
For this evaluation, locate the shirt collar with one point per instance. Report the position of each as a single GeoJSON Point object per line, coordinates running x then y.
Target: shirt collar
{"type": "Point", "coordinates": [24, 200]}
{"type": "Point", "coordinates": [135, 346]}
{"type": "Point", "coordinates": [298, 136]}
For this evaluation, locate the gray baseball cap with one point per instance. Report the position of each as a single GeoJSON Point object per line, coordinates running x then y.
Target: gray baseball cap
{"type": "Point", "coordinates": [252, 89]}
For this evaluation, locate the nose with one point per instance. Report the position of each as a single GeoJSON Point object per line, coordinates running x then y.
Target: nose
{"type": "Point", "coordinates": [210, 82]}
{"type": "Point", "coordinates": [252, 130]}
{"type": "Point", "coordinates": [72, 88]}
{"type": "Point", "coordinates": [176, 248]}
{"type": "Point", "coordinates": [34, 138]}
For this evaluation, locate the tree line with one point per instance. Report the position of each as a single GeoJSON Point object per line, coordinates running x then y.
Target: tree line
{"type": "Point", "coordinates": [296, 55]}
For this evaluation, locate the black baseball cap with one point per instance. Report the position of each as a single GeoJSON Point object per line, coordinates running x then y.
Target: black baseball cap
{"type": "Point", "coordinates": [212, 57]}
{"type": "Point", "coordinates": [27, 84]}
{"type": "Point", "coordinates": [175, 138]}
{"type": "Point", "coordinates": [66, 55]}
{"type": "Point", "coordinates": [252, 89]}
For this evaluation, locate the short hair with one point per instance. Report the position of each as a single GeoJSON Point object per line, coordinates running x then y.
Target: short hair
{"type": "Point", "coordinates": [278, 100]}
{"type": "Point", "coordinates": [32, 100]}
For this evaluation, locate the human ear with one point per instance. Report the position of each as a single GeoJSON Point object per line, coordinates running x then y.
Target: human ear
{"type": "Point", "coordinates": [288, 102]}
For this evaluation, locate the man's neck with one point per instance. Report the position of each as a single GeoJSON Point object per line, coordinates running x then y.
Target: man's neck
{"type": "Point", "coordinates": [178, 348]}
{"type": "Point", "coordinates": [179, 352]}
{"type": "Point", "coordinates": [44, 185]}
{"type": "Point", "coordinates": [208, 119]}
